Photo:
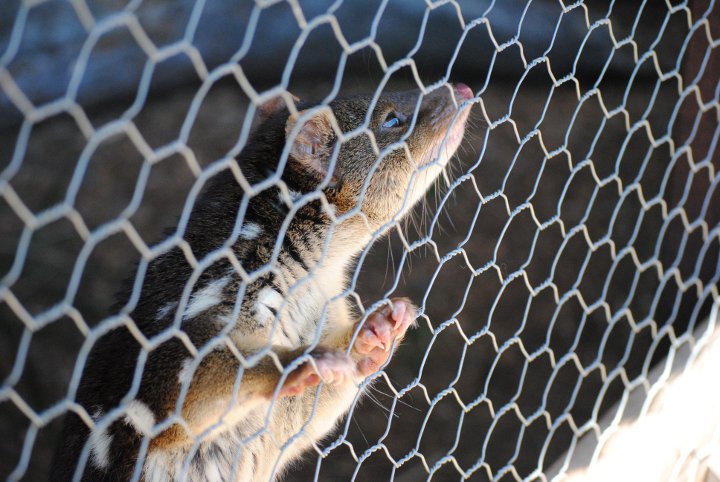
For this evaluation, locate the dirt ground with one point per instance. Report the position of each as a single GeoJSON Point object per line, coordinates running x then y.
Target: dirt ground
{"type": "Point", "coordinates": [534, 313]}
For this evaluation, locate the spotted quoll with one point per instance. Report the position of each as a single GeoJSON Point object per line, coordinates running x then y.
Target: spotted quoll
{"type": "Point", "coordinates": [213, 369]}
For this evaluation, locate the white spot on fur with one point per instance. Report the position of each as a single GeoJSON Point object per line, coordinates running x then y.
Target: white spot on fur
{"type": "Point", "coordinates": [226, 319]}
{"type": "Point", "coordinates": [268, 303]}
{"type": "Point", "coordinates": [331, 209]}
{"type": "Point", "coordinates": [207, 466]}
{"type": "Point", "coordinates": [271, 298]}
{"type": "Point", "coordinates": [165, 310]}
{"type": "Point", "coordinates": [250, 231]}
{"type": "Point", "coordinates": [158, 467]}
{"type": "Point", "coordinates": [294, 195]}
{"type": "Point", "coordinates": [186, 372]}
{"type": "Point", "coordinates": [206, 298]}
{"type": "Point", "coordinates": [100, 442]}
{"type": "Point", "coordinates": [212, 472]}
{"type": "Point", "coordinates": [140, 416]}
{"type": "Point", "coordinates": [263, 315]}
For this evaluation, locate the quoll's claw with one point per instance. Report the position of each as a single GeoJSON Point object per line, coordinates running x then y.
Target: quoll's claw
{"type": "Point", "coordinates": [332, 368]}
{"type": "Point", "coordinates": [403, 314]}
{"type": "Point", "coordinates": [378, 332]}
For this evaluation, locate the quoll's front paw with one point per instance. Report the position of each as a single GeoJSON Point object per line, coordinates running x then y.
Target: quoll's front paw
{"type": "Point", "coordinates": [332, 368]}
{"type": "Point", "coordinates": [377, 334]}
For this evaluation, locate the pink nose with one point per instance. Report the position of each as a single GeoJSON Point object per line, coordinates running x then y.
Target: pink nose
{"type": "Point", "coordinates": [464, 91]}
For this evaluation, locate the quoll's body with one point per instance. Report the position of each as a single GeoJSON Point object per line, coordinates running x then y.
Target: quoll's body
{"type": "Point", "coordinates": [207, 416]}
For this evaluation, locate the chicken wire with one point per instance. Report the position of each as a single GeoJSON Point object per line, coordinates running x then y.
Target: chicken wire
{"type": "Point", "coordinates": [573, 244]}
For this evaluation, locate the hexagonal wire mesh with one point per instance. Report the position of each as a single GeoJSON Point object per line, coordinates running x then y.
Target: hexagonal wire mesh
{"type": "Point", "coordinates": [571, 245]}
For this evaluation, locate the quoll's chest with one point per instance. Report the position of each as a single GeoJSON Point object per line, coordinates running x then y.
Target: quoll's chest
{"type": "Point", "coordinates": [297, 314]}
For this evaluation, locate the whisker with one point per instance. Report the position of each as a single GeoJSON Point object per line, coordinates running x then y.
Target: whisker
{"type": "Point", "coordinates": [379, 404]}
{"type": "Point", "coordinates": [361, 431]}
{"type": "Point", "coordinates": [399, 401]}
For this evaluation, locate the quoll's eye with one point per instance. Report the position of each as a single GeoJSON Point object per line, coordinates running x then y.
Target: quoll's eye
{"type": "Point", "coordinates": [393, 119]}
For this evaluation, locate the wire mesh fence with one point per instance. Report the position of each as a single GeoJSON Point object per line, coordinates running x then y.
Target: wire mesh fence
{"type": "Point", "coordinates": [570, 245]}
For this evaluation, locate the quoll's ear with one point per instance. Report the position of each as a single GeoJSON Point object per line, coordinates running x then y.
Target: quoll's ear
{"type": "Point", "coordinates": [312, 145]}
{"type": "Point", "coordinates": [274, 105]}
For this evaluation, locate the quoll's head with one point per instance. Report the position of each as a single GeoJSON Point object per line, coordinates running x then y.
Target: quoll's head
{"type": "Point", "coordinates": [390, 165]}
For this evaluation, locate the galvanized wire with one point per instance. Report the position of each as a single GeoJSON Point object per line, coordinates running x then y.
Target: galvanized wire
{"type": "Point", "coordinates": [579, 163]}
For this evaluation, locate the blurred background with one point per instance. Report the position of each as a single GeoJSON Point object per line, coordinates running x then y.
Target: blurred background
{"type": "Point", "coordinates": [568, 250]}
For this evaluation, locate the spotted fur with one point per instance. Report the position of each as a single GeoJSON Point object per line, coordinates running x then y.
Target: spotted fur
{"type": "Point", "coordinates": [214, 415]}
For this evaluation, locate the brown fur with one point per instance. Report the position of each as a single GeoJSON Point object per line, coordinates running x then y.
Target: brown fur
{"type": "Point", "coordinates": [248, 334]}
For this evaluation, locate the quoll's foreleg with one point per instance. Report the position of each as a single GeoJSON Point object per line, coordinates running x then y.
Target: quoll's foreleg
{"type": "Point", "coordinates": [213, 389]}
{"type": "Point", "coordinates": [330, 367]}
{"type": "Point", "coordinates": [340, 367]}
{"type": "Point", "coordinates": [370, 351]}
{"type": "Point", "coordinates": [219, 388]}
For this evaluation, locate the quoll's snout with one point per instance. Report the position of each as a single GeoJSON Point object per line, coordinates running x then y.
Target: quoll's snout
{"type": "Point", "coordinates": [464, 92]}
